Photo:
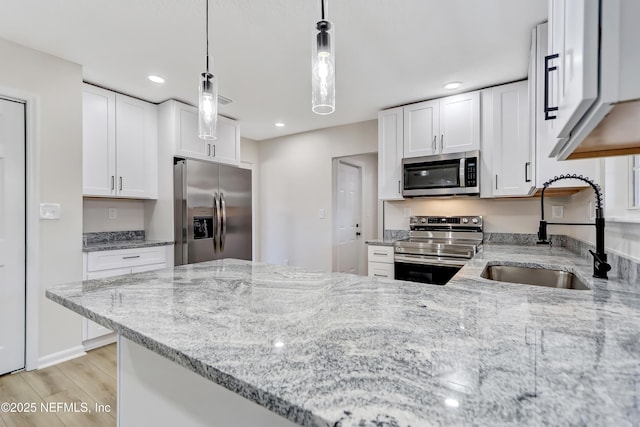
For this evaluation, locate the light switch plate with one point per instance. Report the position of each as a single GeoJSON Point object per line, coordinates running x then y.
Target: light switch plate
{"type": "Point", "coordinates": [49, 210]}
{"type": "Point", "coordinates": [321, 214]}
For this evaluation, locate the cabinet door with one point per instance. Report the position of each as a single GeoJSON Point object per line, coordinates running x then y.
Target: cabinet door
{"type": "Point", "coordinates": [98, 142]}
{"type": "Point", "coordinates": [91, 330]}
{"type": "Point", "coordinates": [187, 142]}
{"type": "Point", "coordinates": [136, 148]}
{"type": "Point", "coordinates": [379, 269]}
{"type": "Point", "coordinates": [546, 130]}
{"type": "Point", "coordinates": [390, 154]}
{"type": "Point", "coordinates": [460, 123]}
{"type": "Point", "coordinates": [511, 140]}
{"type": "Point", "coordinates": [573, 36]}
{"type": "Point", "coordinates": [226, 148]}
{"type": "Point", "coordinates": [421, 129]}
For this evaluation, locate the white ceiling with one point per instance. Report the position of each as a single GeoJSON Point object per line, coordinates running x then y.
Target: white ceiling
{"type": "Point", "coordinates": [389, 52]}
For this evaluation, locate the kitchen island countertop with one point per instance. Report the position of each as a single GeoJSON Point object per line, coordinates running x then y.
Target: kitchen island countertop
{"type": "Point", "coordinates": [325, 349]}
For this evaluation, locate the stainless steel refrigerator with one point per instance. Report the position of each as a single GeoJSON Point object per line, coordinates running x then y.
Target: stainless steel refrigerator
{"type": "Point", "coordinates": [212, 205]}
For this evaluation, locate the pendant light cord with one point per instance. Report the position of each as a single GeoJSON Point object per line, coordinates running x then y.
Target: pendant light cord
{"type": "Point", "coordinates": [322, 8]}
{"type": "Point", "coordinates": [207, 32]}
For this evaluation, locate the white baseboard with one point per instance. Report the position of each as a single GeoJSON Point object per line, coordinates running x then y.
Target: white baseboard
{"type": "Point", "coordinates": [61, 356]}
{"type": "Point", "coordinates": [99, 341]}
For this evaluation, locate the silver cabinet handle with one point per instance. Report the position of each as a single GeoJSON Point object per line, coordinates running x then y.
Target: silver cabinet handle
{"type": "Point", "coordinates": [131, 257]}
{"type": "Point", "coordinates": [208, 150]}
{"type": "Point", "coordinates": [496, 181]}
{"type": "Point", "coordinates": [214, 151]}
{"type": "Point", "coordinates": [113, 182]}
{"type": "Point", "coordinates": [223, 235]}
{"type": "Point", "coordinates": [399, 188]}
{"type": "Point", "coordinates": [120, 183]}
{"type": "Point", "coordinates": [380, 253]}
{"type": "Point", "coordinates": [379, 275]}
{"type": "Point", "coordinates": [527, 166]}
{"type": "Point", "coordinates": [216, 231]}
{"type": "Point", "coordinates": [441, 143]}
{"type": "Point", "coordinates": [434, 143]}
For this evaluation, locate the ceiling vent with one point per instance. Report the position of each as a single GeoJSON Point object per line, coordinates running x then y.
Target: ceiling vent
{"type": "Point", "coordinates": [224, 100]}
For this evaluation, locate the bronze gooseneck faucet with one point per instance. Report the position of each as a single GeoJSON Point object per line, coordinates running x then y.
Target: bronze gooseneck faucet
{"type": "Point", "coordinates": [600, 266]}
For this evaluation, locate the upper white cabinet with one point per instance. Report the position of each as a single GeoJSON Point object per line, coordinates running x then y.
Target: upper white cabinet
{"type": "Point", "coordinates": [544, 130]}
{"type": "Point", "coordinates": [507, 147]}
{"type": "Point", "coordinates": [572, 61]}
{"type": "Point", "coordinates": [224, 149]}
{"type": "Point", "coordinates": [446, 125]}
{"type": "Point", "coordinates": [119, 142]}
{"type": "Point", "coordinates": [390, 147]}
{"type": "Point", "coordinates": [421, 128]}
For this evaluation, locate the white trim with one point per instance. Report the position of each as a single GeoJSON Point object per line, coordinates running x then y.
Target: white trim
{"type": "Point", "coordinates": [61, 356]}
{"type": "Point", "coordinates": [99, 341]}
{"type": "Point", "coordinates": [254, 201]}
{"type": "Point", "coordinates": [32, 153]}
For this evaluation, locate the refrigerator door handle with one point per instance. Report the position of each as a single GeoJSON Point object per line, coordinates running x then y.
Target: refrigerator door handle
{"type": "Point", "coordinates": [223, 234]}
{"type": "Point", "coordinates": [218, 225]}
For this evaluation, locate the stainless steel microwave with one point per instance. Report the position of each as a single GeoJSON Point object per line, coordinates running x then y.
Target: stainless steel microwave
{"type": "Point", "coordinates": [442, 175]}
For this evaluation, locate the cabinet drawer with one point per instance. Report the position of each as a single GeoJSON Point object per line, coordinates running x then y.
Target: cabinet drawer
{"type": "Point", "coordinates": [381, 269]}
{"type": "Point", "coordinates": [380, 254]}
{"type": "Point", "coordinates": [125, 258]}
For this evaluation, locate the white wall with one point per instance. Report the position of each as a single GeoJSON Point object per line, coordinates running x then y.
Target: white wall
{"type": "Point", "coordinates": [130, 215]}
{"type": "Point", "coordinates": [295, 183]}
{"type": "Point", "coordinates": [57, 86]}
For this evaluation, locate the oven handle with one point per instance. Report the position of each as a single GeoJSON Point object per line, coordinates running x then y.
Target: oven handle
{"type": "Point", "coordinates": [428, 261]}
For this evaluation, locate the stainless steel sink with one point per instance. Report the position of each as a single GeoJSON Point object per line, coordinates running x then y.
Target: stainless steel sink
{"type": "Point", "coordinates": [534, 276]}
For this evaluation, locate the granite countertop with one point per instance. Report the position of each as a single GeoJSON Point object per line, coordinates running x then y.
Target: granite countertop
{"type": "Point", "coordinates": [331, 349]}
{"type": "Point", "coordinates": [123, 244]}
{"type": "Point", "coordinates": [114, 240]}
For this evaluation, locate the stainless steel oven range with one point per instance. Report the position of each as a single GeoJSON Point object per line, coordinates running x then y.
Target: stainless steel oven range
{"type": "Point", "coordinates": [437, 248]}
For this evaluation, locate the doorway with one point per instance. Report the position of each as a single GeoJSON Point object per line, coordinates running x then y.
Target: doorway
{"type": "Point", "coordinates": [355, 195]}
{"type": "Point", "coordinates": [12, 236]}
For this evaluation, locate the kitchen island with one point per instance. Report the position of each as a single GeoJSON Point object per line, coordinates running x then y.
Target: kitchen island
{"type": "Point", "coordinates": [325, 349]}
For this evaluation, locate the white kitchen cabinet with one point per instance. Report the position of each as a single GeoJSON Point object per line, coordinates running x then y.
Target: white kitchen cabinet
{"type": "Point", "coordinates": [103, 264]}
{"type": "Point", "coordinates": [507, 144]}
{"type": "Point", "coordinates": [573, 33]}
{"type": "Point", "coordinates": [421, 128]}
{"type": "Point", "coordinates": [380, 261]}
{"type": "Point", "coordinates": [119, 144]}
{"type": "Point", "coordinates": [440, 126]}
{"type": "Point", "coordinates": [390, 148]}
{"type": "Point", "coordinates": [224, 149]}
{"type": "Point", "coordinates": [543, 132]}
{"type": "Point", "coordinates": [460, 123]}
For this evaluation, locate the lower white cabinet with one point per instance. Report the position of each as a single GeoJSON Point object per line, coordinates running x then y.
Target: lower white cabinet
{"type": "Point", "coordinates": [380, 260]}
{"type": "Point", "coordinates": [103, 264]}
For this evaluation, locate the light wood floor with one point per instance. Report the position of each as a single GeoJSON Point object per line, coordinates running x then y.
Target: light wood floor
{"type": "Point", "coordinates": [90, 379]}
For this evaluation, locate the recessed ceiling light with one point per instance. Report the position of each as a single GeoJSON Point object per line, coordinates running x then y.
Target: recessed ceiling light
{"type": "Point", "coordinates": [156, 79]}
{"type": "Point", "coordinates": [452, 85]}
{"type": "Point", "coordinates": [453, 403]}
{"type": "Point", "coordinates": [279, 124]}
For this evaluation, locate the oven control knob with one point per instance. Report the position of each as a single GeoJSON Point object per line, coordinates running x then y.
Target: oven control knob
{"type": "Point", "coordinates": [423, 220]}
{"type": "Point", "coordinates": [443, 220]}
{"type": "Point", "coordinates": [465, 220]}
{"type": "Point", "coordinates": [474, 220]}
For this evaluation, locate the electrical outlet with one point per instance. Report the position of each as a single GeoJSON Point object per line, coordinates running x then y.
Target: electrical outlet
{"type": "Point", "coordinates": [113, 213]}
{"type": "Point", "coordinates": [557, 211]}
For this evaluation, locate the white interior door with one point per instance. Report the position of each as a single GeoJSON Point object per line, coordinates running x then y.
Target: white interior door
{"type": "Point", "coordinates": [12, 236]}
{"type": "Point", "coordinates": [349, 217]}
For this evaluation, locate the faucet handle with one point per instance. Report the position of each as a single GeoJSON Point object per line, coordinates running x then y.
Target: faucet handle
{"type": "Point", "coordinates": [600, 265]}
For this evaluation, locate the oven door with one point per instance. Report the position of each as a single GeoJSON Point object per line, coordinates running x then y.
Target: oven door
{"type": "Point", "coordinates": [433, 271]}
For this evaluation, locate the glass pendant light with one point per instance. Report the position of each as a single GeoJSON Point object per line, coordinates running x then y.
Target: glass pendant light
{"type": "Point", "coordinates": [208, 97]}
{"type": "Point", "coordinates": [323, 78]}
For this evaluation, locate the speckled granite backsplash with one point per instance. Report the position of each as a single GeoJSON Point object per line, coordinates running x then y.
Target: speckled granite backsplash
{"type": "Point", "coordinates": [111, 236]}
